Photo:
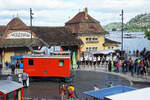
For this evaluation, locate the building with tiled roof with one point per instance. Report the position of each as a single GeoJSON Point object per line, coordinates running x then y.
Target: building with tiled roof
{"type": "Point", "coordinates": [83, 23]}
{"type": "Point", "coordinates": [15, 38]}
{"type": "Point", "coordinates": [14, 32]}
{"type": "Point", "coordinates": [58, 36]}
{"type": "Point", "coordinates": [90, 32]}
{"type": "Point", "coordinates": [82, 34]}
{"type": "Point", "coordinates": [17, 24]}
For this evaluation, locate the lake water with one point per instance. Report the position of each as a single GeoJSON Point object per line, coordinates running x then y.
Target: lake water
{"type": "Point", "coordinates": [131, 41]}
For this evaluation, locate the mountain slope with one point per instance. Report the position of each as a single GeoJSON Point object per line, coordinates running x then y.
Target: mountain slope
{"type": "Point", "coordinates": [138, 23]}
{"type": "Point", "coordinates": [113, 26]}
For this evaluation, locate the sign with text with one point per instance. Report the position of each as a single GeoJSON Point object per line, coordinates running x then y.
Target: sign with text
{"type": "Point", "coordinates": [19, 34]}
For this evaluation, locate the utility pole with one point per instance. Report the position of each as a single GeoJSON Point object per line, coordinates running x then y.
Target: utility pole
{"type": "Point", "coordinates": [122, 30]}
{"type": "Point", "coordinates": [31, 23]}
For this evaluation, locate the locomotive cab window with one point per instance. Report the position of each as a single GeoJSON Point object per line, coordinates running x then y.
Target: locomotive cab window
{"type": "Point", "coordinates": [61, 62]}
{"type": "Point", "coordinates": [30, 62]}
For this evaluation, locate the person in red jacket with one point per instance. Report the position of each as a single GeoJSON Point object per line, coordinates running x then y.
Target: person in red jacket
{"type": "Point", "coordinates": [62, 92]}
{"type": "Point", "coordinates": [118, 64]}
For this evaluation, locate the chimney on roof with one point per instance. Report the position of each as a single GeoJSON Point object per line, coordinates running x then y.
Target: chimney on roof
{"type": "Point", "coordinates": [86, 13]}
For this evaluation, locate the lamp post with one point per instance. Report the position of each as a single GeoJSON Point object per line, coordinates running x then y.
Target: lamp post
{"type": "Point", "coordinates": [122, 30]}
{"type": "Point", "coordinates": [31, 23]}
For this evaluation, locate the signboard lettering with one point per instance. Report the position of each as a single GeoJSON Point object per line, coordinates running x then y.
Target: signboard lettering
{"type": "Point", "coordinates": [19, 34]}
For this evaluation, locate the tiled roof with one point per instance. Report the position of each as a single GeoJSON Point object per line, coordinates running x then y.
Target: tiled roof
{"type": "Point", "coordinates": [80, 18]}
{"type": "Point", "coordinates": [56, 36]}
{"type": "Point", "coordinates": [17, 23]}
{"type": "Point", "coordinates": [108, 41]}
{"type": "Point", "coordinates": [19, 42]}
{"type": "Point", "coordinates": [80, 24]}
{"type": "Point", "coordinates": [51, 35]}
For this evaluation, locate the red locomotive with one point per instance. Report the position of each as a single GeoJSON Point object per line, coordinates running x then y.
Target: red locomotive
{"type": "Point", "coordinates": [55, 65]}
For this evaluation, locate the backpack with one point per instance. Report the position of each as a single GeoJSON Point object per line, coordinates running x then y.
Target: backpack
{"type": "Point", "coordinates": [70, 91]}
{"type": "Point", "coordinates": [24, 76]}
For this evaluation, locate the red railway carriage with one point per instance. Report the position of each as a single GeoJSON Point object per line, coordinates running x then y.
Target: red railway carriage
{"type": "Point", "coordinates": [54, 65]}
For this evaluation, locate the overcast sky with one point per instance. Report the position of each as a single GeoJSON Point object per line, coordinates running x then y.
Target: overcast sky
{"type": "Point", "coordinates": [57, 12]}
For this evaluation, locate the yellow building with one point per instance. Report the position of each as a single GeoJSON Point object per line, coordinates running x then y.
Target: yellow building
{"type": "Point", "coordinates": [90, 32]}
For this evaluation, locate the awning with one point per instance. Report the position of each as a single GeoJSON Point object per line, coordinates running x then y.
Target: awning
{"type": "Point", "coordinates": [7, 86]}
{"type": "Point", "coordinates": [100, 94]}
{"type": "Point", "coordinates": [103, 51]}
{"type": "Point", "coordinates": [140, 94]}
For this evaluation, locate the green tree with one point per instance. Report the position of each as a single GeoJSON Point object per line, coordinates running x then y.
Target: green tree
{"type": "Point", "coordinates": [147, 34]}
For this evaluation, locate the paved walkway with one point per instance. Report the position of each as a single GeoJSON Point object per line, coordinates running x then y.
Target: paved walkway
{"type": "Point", "coordinates": [97, 69]}
{"type": "Point", "coordinates": [127, 75]}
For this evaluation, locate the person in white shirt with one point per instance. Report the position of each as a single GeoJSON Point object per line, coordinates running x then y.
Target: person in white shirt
{"type": "Point", "coordinates": [96, 88]}
{"type": "Point", "coordinates": [24, 79]}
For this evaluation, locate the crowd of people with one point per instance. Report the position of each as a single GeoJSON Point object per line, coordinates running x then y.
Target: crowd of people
{"type": "Point", "coordinates": [138, 63]}
{"type": "Point", "coordinates": [13, 66]}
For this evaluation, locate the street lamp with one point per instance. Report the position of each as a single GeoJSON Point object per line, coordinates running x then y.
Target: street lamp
{"type": "Point", "coordinates": [31, 23]}
{"type": "Point", "coordinates": [122, 30]}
